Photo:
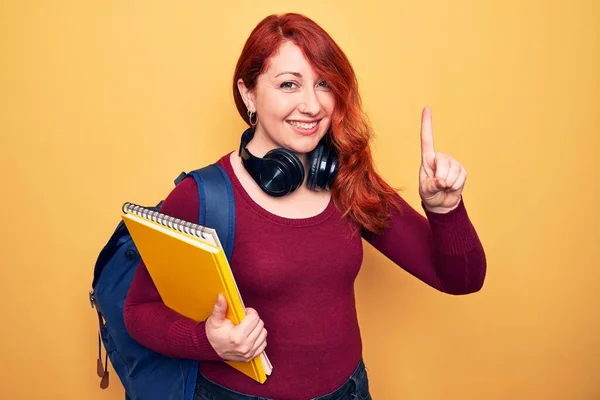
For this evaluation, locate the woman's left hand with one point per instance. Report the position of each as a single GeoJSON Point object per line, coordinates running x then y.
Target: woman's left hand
{"type": "Point", "coordinates": [441, 177]}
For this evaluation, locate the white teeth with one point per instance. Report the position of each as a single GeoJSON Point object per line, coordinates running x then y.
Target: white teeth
{"type": "Point", "coordinates": [303, 125]}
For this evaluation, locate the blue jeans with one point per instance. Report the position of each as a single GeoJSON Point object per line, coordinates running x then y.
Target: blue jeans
{"type": "Point", "coordinates": [355, 388]}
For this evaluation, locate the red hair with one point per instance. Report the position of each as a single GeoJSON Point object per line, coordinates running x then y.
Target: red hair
{"type": "Point", "coordinates": [358, 191]}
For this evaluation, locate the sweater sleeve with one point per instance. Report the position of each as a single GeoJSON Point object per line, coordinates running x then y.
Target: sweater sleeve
{"type": "Point", "coordinates": [147, 319]}
{"type": "Point", "coordinates": [442, 250]}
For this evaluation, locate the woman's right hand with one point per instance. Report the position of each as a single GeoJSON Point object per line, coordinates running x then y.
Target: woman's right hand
{"type": "Point", "coordinates": [232, 342]}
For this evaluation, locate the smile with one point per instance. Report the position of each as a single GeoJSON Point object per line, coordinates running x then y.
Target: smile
{"type": "Point", "coordinates": [303, 125]}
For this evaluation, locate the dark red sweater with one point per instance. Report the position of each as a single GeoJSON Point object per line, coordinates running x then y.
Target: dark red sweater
{"type": "Point", "coordinates": [299, 275]}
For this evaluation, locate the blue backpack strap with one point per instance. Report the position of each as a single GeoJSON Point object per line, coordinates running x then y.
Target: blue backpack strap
{"type": "Point", "coordinates": [217, 211]}
{"type": "Point", "coordinates": [217, 208]}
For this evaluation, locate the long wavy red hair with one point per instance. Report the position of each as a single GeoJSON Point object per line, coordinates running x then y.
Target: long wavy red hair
{"type": "Point", "coordinates": [358, 191]}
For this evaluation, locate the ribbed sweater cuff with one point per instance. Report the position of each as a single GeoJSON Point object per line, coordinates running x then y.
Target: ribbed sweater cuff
{"type": "Point", "coordinates": [453, 231]}
{"type": "Point", "coordinates": [188, 338]}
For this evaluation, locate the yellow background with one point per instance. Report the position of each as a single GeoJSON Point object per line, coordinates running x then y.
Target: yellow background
{"type": "Point", "coordinates": [106, 102]}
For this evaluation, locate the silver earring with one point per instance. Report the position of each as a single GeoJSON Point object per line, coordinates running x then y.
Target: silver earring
{"type": "Point", "coordinates": [250, 115]}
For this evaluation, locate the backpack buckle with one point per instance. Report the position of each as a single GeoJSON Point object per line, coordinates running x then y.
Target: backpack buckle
{"type": "Point", "coordinates": [92, 299]}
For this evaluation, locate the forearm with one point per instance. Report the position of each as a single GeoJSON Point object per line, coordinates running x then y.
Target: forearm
{"type": "Point", "coordinates": [459, 257]}
{"type": "Point", "coordinates": [442, 250]}
{"type": "Point", "coordinates": [453, 232]}
{"type": "Point", "coordinates": [150, 322]}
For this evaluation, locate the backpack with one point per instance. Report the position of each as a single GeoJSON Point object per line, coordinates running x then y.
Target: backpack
{"type": "Point", "coordinates": [145, 374]}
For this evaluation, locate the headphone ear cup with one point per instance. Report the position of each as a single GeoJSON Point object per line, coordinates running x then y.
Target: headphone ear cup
{"type": "Point", "coordinates": [332, 170]}
{"type": "Point", "coordinates": [323, 168]}
{"type": "Point", "coordinates": [281, 172]}
{"type": "Point", "coordinates": [293, 164]}
{"type": "Point", "coordinates": [313, 171]}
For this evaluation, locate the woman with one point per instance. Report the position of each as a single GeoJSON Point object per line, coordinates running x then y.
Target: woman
{"type": "Point", "coordinates": [298, 247]}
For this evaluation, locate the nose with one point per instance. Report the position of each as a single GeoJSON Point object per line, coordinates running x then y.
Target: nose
{"type": "Point", "coordinates": [311, 104]}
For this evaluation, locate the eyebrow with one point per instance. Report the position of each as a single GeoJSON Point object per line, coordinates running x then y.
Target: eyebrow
{"type": "Point", "coordinates": [296, 74]}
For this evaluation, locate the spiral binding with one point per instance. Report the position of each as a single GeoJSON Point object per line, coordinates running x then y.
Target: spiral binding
{"type": "Point", "coordinates": [166, 220]}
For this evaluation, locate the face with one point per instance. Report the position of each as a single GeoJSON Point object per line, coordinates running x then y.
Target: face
{"type": "Point", "coordinates": [294, 105]}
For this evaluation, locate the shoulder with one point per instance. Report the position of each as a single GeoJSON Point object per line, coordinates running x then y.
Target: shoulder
{"type": "Point", "coordinates": [183, 202]}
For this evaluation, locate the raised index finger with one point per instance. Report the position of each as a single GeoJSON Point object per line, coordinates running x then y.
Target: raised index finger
{"type": "Point", "coordinates": [427, 147]}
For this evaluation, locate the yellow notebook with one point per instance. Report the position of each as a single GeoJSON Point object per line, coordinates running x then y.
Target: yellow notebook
{"type": "Point", "coordinates": [189, 268]}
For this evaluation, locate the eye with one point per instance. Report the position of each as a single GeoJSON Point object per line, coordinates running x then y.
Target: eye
{"type": "Point", "coordinates": [287, 85]}
{"type": "Point", "coordinates": [324, 84]}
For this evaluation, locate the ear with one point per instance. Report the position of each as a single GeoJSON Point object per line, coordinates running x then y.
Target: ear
{"type": "Point", "coordinates": [247, 95]}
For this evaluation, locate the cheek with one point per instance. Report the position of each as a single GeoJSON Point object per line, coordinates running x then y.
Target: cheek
{"type": "Point", "coordinates": [328, 102]}
{"type": "Point", "coordinates": [277, 107]}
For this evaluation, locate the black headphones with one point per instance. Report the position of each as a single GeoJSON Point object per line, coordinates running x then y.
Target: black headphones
{"type": "Point", "coordinates": [280, 171]}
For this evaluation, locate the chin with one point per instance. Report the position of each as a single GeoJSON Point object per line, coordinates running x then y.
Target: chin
{"type": "Point", "coordinates": [305, 145]}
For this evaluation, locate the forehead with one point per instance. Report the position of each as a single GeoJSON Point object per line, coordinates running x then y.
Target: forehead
{"type": "Point", "coordinates": [289, 58]}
